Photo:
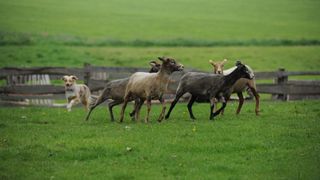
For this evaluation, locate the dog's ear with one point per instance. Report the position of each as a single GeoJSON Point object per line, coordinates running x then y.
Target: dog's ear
{"type": "Point", "coordinates": [74, 77]}
{"type": "Point", "coordinates": [64, 78]}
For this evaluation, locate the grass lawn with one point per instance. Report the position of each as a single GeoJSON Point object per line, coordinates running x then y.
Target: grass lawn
{"type": "Point", "coordinates": [164, 19]}
{"type": "Point", "coordinates": [44, 143]}
{"type": "Point", "coordinates": [50, 143]}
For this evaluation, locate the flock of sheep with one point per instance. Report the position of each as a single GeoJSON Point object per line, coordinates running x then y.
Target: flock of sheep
{"type": "Point", "coordinates": [152, 85]}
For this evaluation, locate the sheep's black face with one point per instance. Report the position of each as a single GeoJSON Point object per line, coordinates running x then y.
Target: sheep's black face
{"type": "Point", "coordinates": [170, 64]}
{"type": "Point", "coordinates": [244, 70]}
{"type": "Point", "coordinates": [155, 67]}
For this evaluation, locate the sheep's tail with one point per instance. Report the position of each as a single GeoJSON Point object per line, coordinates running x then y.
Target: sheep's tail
{"type": "Point", "coordinates": [96, 100]}
{"type": "Point", "coordinates": [92, 100]}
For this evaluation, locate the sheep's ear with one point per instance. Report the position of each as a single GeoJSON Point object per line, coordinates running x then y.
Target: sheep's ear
{"type": "Point", "coordinates": [238, 63]}
{"type": "Point", "coordinates": [64, 78]}
{"type": "Point", "coordinates": [161, 59]}
{"type": "Point", "coordinates": [74, 77]}
{"type": "Point", "coordinates": [153, 63]}
{"type": "Point", "coordinates": [211, 62]}
{"type": "Point", "coordinates": [224, 61]}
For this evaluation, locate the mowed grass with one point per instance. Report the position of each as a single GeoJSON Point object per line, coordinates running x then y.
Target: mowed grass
{"type": "Point", "coordinates": [164, 19]}
{"type": "Point", "coordinates": [296, 58]}
{"type": "Point", "coordinates": [45, 143]}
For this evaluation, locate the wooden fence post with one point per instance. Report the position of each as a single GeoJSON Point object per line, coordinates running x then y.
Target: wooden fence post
{"type": "Point", "coordinates": [282, 79]}
{"type": "Point", "coordinates": [87, 74]}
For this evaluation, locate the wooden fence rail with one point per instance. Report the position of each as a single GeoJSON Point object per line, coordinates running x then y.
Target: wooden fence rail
{"type": "Point", "coordinates": [18, 87]}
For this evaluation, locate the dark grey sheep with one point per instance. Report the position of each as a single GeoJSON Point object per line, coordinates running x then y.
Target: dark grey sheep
{"type": "Point", "coordinates": [208, 86]}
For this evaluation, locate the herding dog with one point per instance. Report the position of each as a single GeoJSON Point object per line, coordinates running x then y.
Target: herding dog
{"type": "Point", "coordinates": [76, 93]}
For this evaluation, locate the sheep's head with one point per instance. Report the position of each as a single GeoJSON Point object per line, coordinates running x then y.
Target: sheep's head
{"type": "Point", "coordinates": [218, 66]}
{"type": "Point", "coordinates": [244, 70]}
{"type": "Point", "coordinates": [69, 80]}
{"type": "Point", "coordinates": [155, 66]}
{"type": "Point", "coordinates": [170, 64]}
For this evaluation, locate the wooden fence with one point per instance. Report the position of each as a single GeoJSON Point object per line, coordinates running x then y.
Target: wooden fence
{"type": "Point", "coordinates": [25, 86]}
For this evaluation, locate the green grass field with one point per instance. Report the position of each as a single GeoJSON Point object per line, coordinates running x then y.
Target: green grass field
{"type": "Point", "coordinates": [164, 19]}
{"type": "Point", "coordinates": [44, 143]}
{"type": "Point", "coordinates": [56, 33]}
{"type": "Point", "coordinates": [50, 143]}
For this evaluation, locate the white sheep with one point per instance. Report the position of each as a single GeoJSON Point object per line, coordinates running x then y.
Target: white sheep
{"type": "Point", "coordinates": [115, 91]}
{"type": "Point", "coordinates": [148, 86]}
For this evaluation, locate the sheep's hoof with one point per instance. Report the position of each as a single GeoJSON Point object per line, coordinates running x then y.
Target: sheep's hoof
{"type": "Point", "coordinates": [166, 117]}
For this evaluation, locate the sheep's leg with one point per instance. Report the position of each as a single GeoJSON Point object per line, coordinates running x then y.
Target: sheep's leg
{"type": "Point", "coordinates": [222, 112]}
{"type": "Point", "coordinates": [191, 101]}
{"type": "Point", "coordinates": [174, 102]}
{"type": "Point", "coordinates": [100, 100]}
{"type": "Point", "coordinates": [136, 103]}
{"type": "Point", "coordinates": [212, 107]}
{"type": "Point", "coordinates": [215, 101]}
{"type": "Point", "coordinates": [138, 108]}
{"type": "Point", "coordinates": [111, 105]}
{"type": "Point", "coordinates": [146, 120]}
{"type": "Point", "coordinates": [226, 99]}
{"type": "Point", "coordinates": [241, 100]}
{"type": "Point", "coordinates": [126, 100]}
{"type": "Point", "coordinates": [257, 97]}
{"type": "Point", "coordinates": [224, 104]}
{"type": "Point", "coordinates": [163, 109]}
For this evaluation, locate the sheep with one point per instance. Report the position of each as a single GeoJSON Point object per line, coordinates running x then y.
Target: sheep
{"type": "Point", "coordinates": [115, 90]}
{"type": "Point", "coordinates": [148, 86]}
{"type": "Point", "coordinates": [208, 86]}
{"type": "Point", "coordinates": [240, 85]}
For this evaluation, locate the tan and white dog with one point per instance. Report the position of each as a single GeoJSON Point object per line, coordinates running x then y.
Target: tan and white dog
{"type": "Point", "coordinates": [76, 93]}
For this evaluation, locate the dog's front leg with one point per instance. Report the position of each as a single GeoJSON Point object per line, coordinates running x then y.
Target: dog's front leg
{"type": "Point", "coordinates": [71, 103]}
